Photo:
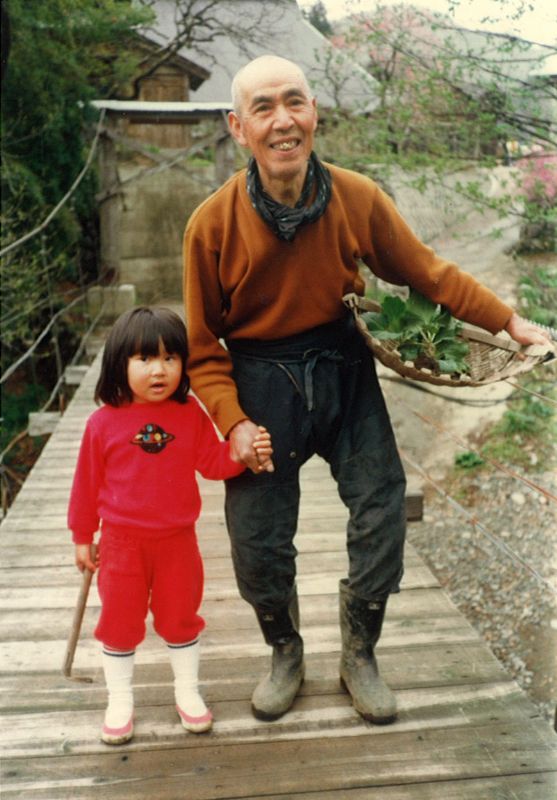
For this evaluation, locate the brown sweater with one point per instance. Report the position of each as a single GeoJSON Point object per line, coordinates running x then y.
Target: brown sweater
{"type": "Point", "coordinates": [241, 281]}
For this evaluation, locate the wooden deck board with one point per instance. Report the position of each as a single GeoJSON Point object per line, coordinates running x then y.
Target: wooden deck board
{"type": "Point", "coordinates": [429, 666]}
{"type": "Point", "coordinates": [465, 730]}
{"type": "Point", "coordinates": [357, 758]}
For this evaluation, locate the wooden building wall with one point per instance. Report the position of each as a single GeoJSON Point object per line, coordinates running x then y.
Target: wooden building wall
{"type": "Point", "coordinates": [168, 84]}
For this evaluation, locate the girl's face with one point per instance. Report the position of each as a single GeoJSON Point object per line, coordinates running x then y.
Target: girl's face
{"type": "Point", "coordinates": [153, 379]}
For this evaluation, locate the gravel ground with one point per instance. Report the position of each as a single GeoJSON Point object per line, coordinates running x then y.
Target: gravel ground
{"type": "Point", "coordinates": [514, 611]}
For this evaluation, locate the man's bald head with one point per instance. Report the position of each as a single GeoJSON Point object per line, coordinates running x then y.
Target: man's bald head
{"type": "Point", "coordinates": [267, 64]}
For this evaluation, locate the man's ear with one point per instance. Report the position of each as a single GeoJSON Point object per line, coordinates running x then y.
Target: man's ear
{"type": "Point", "coordinates": [236, 128]}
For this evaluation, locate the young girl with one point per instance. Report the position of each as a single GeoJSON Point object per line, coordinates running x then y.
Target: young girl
{"type": "Point", "coordinates": [136, 475]}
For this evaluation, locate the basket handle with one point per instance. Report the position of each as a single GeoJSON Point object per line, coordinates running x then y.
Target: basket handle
{"type": "Point", "coordinates": [496, 340]}
{"type": "Point", "coordinates": [504, 342]}
{"type": "Point", "coordinates": [357, 303]}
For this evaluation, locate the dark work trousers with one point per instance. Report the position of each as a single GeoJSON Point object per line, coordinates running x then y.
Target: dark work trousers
{"type": "Point", "coordinates": [316, 392]}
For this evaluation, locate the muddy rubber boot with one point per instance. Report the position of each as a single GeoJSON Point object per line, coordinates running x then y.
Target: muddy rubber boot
{"type": "Point", "coordinates": [360, 626]}
{"type": "Point", "coordinates": [276, 692]}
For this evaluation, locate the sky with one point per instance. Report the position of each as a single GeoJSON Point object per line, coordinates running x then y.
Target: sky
{"type": "Point", "coordinates": [535, 20]}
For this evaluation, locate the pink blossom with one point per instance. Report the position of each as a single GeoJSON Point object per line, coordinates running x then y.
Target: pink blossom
{"type": "Point", "coordinates": [539, 181]}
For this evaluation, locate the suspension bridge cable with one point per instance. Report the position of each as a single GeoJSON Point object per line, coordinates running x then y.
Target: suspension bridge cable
{"type": "Point", "coordinates": [452, 398]}
{"type": "Point", "coordinates": [76, 355]}
{"type": "Point", "coordinates": [66, 197]}
{"type": "Point", "coordinates": [7, 320]}
{"type": "Point", "coordinates": [508, 551]}
{"type": "Point", "coordinates": [462, 443]}
{"type": "Point", "coordinates": [545, 398]}
{"type": "Point", "coordinates": [465, 401]}
{"type": "Point", "coordinates": [39, 339]}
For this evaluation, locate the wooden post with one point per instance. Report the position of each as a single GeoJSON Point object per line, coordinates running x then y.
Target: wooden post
{"type": "Point", "coordinates": [224, 154]}
{"type": "Point", "coordinates": [110, 208]}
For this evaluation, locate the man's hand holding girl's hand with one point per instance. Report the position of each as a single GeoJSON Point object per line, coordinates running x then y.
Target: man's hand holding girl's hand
{"type": "Point", "coordinates": [263, 450]}
{"type": "Point", "coordinates": [243, 438]}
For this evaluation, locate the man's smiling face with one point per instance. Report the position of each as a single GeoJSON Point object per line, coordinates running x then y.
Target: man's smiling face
{"type": "Point", "coordinates": [276, 121]}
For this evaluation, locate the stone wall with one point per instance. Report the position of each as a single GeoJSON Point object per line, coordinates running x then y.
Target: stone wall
{"type": "Point", "coordinates": [155, 209]}
{"type": "Point", "coordinates": [156, 206]}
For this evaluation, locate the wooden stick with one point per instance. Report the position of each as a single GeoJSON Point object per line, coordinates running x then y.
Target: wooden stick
{"type": "Point", "coordinates": [76, 628]}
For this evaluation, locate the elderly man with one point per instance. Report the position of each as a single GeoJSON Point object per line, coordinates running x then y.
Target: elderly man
{"type": "Point", "coordinates": [268, 258]}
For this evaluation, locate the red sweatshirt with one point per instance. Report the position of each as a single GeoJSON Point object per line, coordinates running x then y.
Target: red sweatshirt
{"type": "Point", "coordinates": [136, 468]}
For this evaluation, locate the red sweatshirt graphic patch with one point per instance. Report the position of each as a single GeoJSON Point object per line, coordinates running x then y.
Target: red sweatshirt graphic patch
{"type": "Point", "coordinates": [152, 438]}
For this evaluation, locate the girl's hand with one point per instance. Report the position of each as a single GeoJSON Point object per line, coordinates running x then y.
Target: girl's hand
{"type": "Point", "coordinates": [86, 557]}
{"type": "Point", "coordinates": [263, 450]}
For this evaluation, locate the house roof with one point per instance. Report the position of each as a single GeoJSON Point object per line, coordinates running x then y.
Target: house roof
{"type": "Point", "coordinates": [196, 73]}
{"type": "Point", "coordinates": [481, 62]}
{"type": "Point", "coordinates": [169, 111]}
{"type": "Point", "coordinates": [432, 36]}
{"type": "Point", "coordinates": [246, 29]}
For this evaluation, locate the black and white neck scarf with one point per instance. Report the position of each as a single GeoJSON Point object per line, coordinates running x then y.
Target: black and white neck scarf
{"type": "Point", "coordinates": [284, 220]}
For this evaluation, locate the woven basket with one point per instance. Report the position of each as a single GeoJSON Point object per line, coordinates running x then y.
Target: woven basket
{"type": "Point", "coordinates": [490, 358]}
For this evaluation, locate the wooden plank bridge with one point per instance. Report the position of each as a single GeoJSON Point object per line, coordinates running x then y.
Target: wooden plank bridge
{"type": "Point", "coordinates": [465, 730]}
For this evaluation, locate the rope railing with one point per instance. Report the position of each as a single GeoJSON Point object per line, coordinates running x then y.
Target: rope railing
{"type": "Point", "coordinates": [46, 301]}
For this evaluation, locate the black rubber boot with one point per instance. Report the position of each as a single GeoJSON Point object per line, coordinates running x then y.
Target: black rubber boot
{"type": "Point", "coordinates": [276, 692]}
{"type": "Point", "coordinates": [360, 625]}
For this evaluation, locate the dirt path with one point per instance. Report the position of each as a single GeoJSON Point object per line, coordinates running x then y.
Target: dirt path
{"type": "Point", "coordinates": [515, 612]}
{"type": "Point", "coordinates": [478, 244]}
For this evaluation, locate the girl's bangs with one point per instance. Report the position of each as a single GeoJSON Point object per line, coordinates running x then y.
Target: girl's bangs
{"type": "Point", "coordinates": [154, 328]}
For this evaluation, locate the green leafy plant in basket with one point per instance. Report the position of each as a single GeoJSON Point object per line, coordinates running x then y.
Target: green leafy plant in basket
{"type": "Point", "coordinates": [421, 331]}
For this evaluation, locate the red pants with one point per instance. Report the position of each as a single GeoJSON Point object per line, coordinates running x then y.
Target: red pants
{"type": "Point", "coordinates": [137, 574]}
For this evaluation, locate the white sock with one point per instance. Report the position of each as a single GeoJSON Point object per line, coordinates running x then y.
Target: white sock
{"type": "Point", "coordinates": [118, 673]}
{"type": "Point", "coordinates": [184, 659]}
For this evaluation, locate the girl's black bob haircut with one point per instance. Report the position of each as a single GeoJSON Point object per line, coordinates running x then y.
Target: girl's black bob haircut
{"type": "Point", "coordinates": [140, 330]}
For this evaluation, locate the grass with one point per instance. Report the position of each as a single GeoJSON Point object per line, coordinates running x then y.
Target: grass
{"type": "Point", "coordinates": [526, 436]}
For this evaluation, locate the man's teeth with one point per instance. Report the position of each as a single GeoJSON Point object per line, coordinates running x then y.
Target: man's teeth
{"type": "Point", "coordinates": [285, 146]}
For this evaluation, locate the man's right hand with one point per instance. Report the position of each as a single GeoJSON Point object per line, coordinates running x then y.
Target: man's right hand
{"type": "Point", "coordinates": [241, 439]}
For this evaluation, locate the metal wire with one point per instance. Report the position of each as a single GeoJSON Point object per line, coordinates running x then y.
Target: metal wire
{"type": "Point", "coordinates": [464, 444]}
{"type": "Point", "coordinates": [453, 398]}
{"type": "Point", "coordinates": [540, 396]}
{"type": "Point", "coordinates": [59, 382]}
{"type": "Point", "coordinates": [508, 551]}
{"type": "Point", "coordinates": [66, 197]}
{"type": "Point", "coordinates": [11, 369]}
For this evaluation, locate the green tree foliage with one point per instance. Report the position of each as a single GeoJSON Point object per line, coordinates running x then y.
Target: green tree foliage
{"type": "Point", "coordinates": [62, 53]}
{"type": "Point", "coordinates": [449, 98]}
{"type": "Point", "coordinates": [449, 92]}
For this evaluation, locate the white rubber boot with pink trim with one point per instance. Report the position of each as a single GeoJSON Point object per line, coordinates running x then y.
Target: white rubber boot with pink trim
{"type": "Point", "coordinates": [194, 714]}
{"type": "Point", "coordinates": [118, 673]}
